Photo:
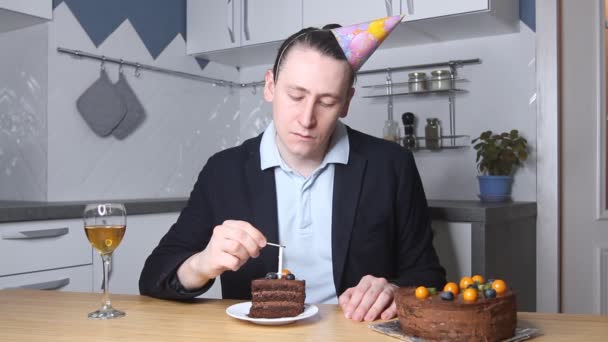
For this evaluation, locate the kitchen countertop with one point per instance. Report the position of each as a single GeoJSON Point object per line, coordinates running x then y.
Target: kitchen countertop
{"type": "Point", "coordinates": [440, 210]}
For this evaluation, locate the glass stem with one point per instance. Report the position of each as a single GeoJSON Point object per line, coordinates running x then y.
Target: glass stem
{"type": "Point", "coordinates": [107, 259]}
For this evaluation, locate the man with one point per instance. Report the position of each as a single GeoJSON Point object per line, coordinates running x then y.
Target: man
{"type": "Point", "coordinates": [349, 208]}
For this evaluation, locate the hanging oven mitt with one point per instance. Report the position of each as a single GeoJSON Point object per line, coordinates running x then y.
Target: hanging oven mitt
{"type": "Point", "coordinates": [135, 111]}
{"type": "Point", "coordinates": [101, 107]}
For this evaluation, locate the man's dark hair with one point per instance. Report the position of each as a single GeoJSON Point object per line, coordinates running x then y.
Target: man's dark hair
{"type": "Point", "coordinates": [321, 40]}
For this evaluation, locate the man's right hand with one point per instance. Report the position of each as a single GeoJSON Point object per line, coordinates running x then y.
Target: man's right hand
{"type": "Point", "coordinates": [231, 245]}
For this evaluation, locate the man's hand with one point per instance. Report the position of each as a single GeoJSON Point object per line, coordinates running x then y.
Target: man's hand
{"type": "Point", "coordinates": [370, 299]}
{"type": "Point", "coordinates": [231, 245]}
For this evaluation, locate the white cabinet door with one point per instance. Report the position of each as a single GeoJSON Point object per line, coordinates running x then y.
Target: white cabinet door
{"type": "Point", "coordinates": [76, 279]}
{"type": "Point", "coordinates": [42, 245]}
{"type": "Point", "coordinates": [424, 9]}
{"type": "Point", "coordinates": [213, 25]}
{"type": "Point", "coordinates": [269, 20]}
{"type": "Point", "coordinates": [318, 13]}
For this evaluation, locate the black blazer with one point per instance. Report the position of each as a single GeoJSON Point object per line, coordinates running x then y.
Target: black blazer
{"type": "Point", "coordinates": [380, 223]}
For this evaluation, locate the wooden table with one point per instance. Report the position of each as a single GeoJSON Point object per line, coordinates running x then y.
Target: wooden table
{"type": "Point", "coordinates": [62, 316]}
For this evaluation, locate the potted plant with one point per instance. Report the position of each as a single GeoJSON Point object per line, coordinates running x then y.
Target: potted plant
{"type": "Point", "coordinates": [498, 157]}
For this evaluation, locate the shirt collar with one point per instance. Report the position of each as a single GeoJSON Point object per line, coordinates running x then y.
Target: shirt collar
{"type": "Point", "coordinates": [337, 152]}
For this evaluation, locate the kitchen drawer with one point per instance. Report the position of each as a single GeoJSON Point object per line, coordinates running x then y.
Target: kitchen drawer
{"type": "Point", "coordinates": [43, 245]}
{"type": "Point", "coordinates": [76, 279]}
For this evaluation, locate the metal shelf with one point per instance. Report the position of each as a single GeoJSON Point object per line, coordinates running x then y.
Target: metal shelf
{"type": "Point", "coordinates": [452, 64]}
{"type": "Point", "coordinates": [420, 93]}
{"type": "Point", "coordinates": [448, 142]}
{"type": "Point", "coordinates": [397, 84]}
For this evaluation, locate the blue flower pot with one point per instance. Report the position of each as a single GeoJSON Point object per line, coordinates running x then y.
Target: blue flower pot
{"type": "Point", "coordinates": [495, 188]}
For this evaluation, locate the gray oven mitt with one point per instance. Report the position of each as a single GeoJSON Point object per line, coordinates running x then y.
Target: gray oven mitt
{"type": "Point", "coordinates": [101, 107]}
{"type": "Point", "coordinates": [135, 111]}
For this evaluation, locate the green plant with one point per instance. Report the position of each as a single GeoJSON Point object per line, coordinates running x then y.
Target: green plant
{"type": "Point", "coordinates": [500, 154]}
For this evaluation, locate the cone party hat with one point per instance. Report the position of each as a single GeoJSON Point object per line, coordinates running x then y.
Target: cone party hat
{"type": "Point", "coordinates": [361, 40]}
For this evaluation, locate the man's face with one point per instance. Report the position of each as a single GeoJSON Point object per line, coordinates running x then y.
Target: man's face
{"type": "Point", "coordinates": [311, 93]}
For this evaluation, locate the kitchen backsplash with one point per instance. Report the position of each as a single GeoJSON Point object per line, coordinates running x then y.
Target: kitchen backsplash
{"type": "Point", "coordinates": [47, 152]}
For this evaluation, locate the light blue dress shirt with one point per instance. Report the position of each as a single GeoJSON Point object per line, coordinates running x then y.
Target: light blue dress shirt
{"type": "Point", "coordinates": [304, 207]}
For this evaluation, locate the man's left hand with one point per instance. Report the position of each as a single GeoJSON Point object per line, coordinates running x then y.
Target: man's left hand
{"type": "Point", "coordinates": [370, 299]}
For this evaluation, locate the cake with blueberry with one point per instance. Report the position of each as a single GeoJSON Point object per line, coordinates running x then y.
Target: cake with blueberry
{"type": "Point", "coordinates": [277, 295]}
{"type": "Point", "coordinates": [474, 311]}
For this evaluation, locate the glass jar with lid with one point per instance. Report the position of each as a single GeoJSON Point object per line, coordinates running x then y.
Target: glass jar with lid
{"type": "Point", "coordinates": [440, 80]}
{"type": "Point", "coordinates": [416, 82]}
{"type": "Point", "coordinates": [391, 131]}
{"type": "Point", "coordinates": [432, 132]}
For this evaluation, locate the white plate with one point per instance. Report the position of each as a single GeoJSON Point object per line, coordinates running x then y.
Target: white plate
{"type": "Point", "coordinates": [241, 310]}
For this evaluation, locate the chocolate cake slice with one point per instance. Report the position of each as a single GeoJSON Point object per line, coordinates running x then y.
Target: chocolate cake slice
{"type": "Point", "coordinates": [274, 298]}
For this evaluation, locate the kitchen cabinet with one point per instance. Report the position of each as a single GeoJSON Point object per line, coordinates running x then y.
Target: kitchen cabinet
{"type": "Point", "coordinates": [269, 20]}
{"type": "Point", "coordinates": [53, 254]}
{"type": "Point", "coordinates": [425, 9]}
{"type": "Point", "coordinates": [16, 14]}
{"type": "Point", "coordinates": [77, 279]}
{"type": "Point", "coordinates": [433, 21]}
{"type": "Point", "coordinates": [223, 24]}
{"type": "Point", "coordinates": [246, 33]}
{"type": "Point", "coordinates": [318, 13]}
{"type": "Point", "coordinates": [142, 236]}
{"type": "Point", "coordinates": [42, 245]}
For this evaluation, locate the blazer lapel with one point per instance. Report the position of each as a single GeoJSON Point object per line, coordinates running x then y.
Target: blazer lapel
{"type": "Point", "coordinates": [347, 189]}
{"type": "Point", "coordinates": [262, 194]}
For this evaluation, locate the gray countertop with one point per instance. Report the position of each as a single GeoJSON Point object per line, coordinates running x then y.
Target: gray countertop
{"type": "Point", "coordinates": [441, 210]}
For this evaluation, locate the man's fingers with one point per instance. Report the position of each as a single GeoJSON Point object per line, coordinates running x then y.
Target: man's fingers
{"type": "Point", "coordinates": [356, 298]}
{"type": "Point", "coordinates": [344, 299]}
{"type": "Point", "coordinates": [256, 235]}
{"type": "Point", "coordinates": [240, 232]}
{"type": "Point", "coordinates": [390, 312]}
{"type": "Point", "coordinates": [229, 262]}
{"type": "Point", "coordinates": [234, 248]}
{"type": "Point", "coordinates": [381, 302]}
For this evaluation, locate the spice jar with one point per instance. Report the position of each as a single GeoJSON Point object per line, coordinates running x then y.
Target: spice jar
{"type": "Point", "coordinates": [391, 131]}
{"type": "Point", "coordinates": [432, 132]}
{"type": "Point", "coordinates": [441, 80]}
{"type": "Point", "coordinates": [416, 82]}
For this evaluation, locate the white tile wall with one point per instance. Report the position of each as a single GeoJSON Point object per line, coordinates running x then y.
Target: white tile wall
{"type": "Point", "coordinates": [186, 122]}
{"type": "Point", "coordinates": [23, 121]}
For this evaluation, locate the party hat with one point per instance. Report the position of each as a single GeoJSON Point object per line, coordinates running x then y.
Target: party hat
{"type": "Point", "coordinates": [361, 40]}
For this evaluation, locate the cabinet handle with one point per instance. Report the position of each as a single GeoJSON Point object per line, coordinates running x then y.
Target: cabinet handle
{"type": "Point", "coordinates": [246, 19]}
{"type": "Point", "coordinates": [46, 285]}
{"type": "Point", "coordinates": [389, 7]}
{"type": "Point", "coordinates": [35, 234]}
{"type": "Point", "coordinates": [230, 19]}
{"type": "Point", "coordinates": [410, 7]}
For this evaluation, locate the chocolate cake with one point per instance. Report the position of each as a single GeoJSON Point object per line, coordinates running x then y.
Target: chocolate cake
{"type": "Point", "coordinates": [274, 298]}
{"type": "Point", "coordinates": [435, 319]}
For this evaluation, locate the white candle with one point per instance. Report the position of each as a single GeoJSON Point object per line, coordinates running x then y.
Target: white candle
{"type": "Point", "coordinates": [279, 272]}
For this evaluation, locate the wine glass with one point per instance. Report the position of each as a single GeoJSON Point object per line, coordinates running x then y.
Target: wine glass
{"type": "Point", "coordinates": [105, 225]}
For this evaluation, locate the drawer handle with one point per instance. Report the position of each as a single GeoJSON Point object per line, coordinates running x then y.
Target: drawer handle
{"type": "Point", "coordinates": [35, 234]}
{"type": "Point", "coordinates": [47, 285]}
